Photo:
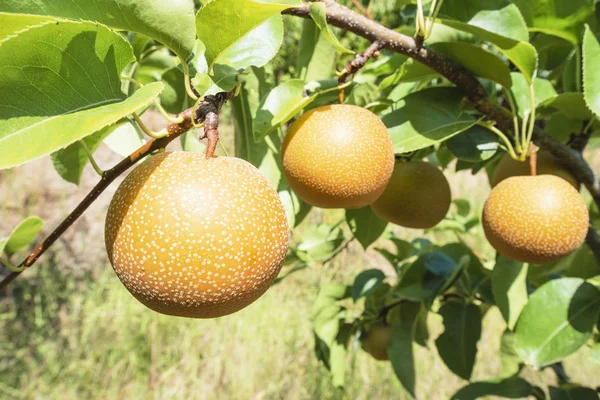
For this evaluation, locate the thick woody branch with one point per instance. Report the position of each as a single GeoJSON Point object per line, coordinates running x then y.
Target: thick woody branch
{"type": "Point", "coordinates": [342, 17]}
{"type": "Point", "coordinates": [211, 104]}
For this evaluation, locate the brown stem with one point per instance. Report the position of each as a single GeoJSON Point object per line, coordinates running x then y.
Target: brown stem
{"type": "Point", "coordinates": [209, 104]}
{"type": "Point", "coordinates": [533, 159]}
{"type": "Point", "coordinates": [344, 18]}
{"type": "Point", "coordinates": [211, 132]}
{"type": "Point", "coordinates": [357, 64]}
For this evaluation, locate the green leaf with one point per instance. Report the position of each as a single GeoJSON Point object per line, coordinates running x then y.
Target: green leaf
{"type": "Point", "coordinates": [233, 20]}
{"type": "Point", "coordinates": [21, 236]}
{"type": "Point", "coordinates": [458, 344]}
{"type": "Point", "coordinates": [424, 279]}
{"type": "Point", "coordinates": [572, 104]}
{"type": "Point", "coordinates": [557, 320]}
{"type": "Point", "coordinates": [574, 393]}
{"type": "Point", "coordinates": [596, 353]}
{"type": "Point", "coordinates": [591, 79]}
{"type": "Point", "coordinates": [480, 62]}
{"type": "Point", "coordinates": [543, 90]}
{"type": "Point", "coordinates": [316, 56]}
{"type": "Point", "coordinates": [280, 105]}
{"type": "Point", "coordinates": [318, 14]}
{"type": "Point", "coordinates": [124, 139]}
{"type": "Point", "coordinates": [509, 285]}
{"type": "Point", "coordinates": [365, 225]}
{"type": "Point", "coordinates": [412, 129]}
{"type": "Point", "coordinates": [510, 363]}
{"type": "Point", "coordinates": [495, 16]}
{"type": "Point", "coordinates": [506, 31]}
{"type": "Point", "coordinates": [404, 321]}
{"type": "Point", "coordinates": [561, 18]}
{"type": "Point", "coordinates": [189, 142]}
{"type": "Point", "coordinates": [319, 241]}
{"type": "Point", "coordinates": [476, 144]}
{"type": "Point", "coordinates": [366, 282]}
{"type": "Point", "coordinates": [409, 71]}
{"type": "Point", "coordinates": [71, 161]}
{"type": "Point", "coordinates": [512, 388]}
{"type": "Point", "coordinates": [13, 23]}
{"type": "Point", "coordinates": [57, 101]}
{"type": "Point", "coordinates": [174, 98]}
{"type": "Point", "coordinates": [169, 22]}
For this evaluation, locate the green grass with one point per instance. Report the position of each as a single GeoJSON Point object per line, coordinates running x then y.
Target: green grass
{"type": "Point", "coordinates": [70, 330]}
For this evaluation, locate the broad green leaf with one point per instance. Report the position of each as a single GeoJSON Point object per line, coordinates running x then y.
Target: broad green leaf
{"type": "Point", "coordinates": [54, 101]}
{"type": "Point", "coordinates": [72, 160]}
{"type": "Point", "coordinates": [510, 363]}
{"type": "Point", "coordinates": [521, 53]}
{"type": "Point", "coordinates": [319, 241]}
{"type": "Point", "coordinates": [411, 129]}
{"type": "Point", "coordinates": [474, 273]}
{"type": "Point", "coordinates": [509, 285]}
{"type": "Point", "coordinates": [21, 236]}
{"type": "Point", "coordinates": [11, 24]}
{"type": "Point", "coordinates": [366, 282]}
{"type": "Point", "coordinates": [409, 71]}
{"type": "Point", "coordinates": [318, 14]}
{"type": "Point", "coordinates": [280, 105]}
{"type": "Point", "coordinates": [496, 16]}
{"type": "Point", "coordinates": [366, 95]}
{"type": "Point", "coordinates": [543, 90]}
{"type": "Point", "coordinates": [189, 142]}
{"type": "Point", "coordinates": [511, 388]}
{"type": "Point", "coordinates": [591, 78]}
{"type": "Point", "coordinates": [256, 48]}
{"type": "Point", "coordinates": [69, 128]}
{"type": "Point", "coordinates": [474, 145]}
{"type": "Point", "coordinates": [233, 20]}
{"type": "Point", "coordinates": [404, 321]}
{"type": "Point", "coordinates": [316, 55]}
{"type": "Point", "coordinates": [480, 62]}
{"type": "Point", "coordinates": [152, 67]}
{"type": "Point", "coordinates": [458, 344]}
{"type": "Point", "coordinates": [124, 139]}
{"type": "Point", "coordinates": [573, 393]}
{"type": "Point", "coordinates": [561, 18]}
{"type": "Point", "coordinates": [424, 279]}
{"type": "Point", "coordinates": [572, 104]}
{"type": "Point", "coordinates": [557, 320]}
{"type": "Point", "coordinates": [169, 22]}
{"type": "Point", "coordinates": [365, 225]}
{"type": "Point", "coordinates": [174, 98]}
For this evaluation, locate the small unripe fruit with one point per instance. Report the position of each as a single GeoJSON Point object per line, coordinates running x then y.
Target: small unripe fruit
{"type": "Point", "coordinates": [377, 340]}
{"type": "Point", "coordinates": [535, 219]}
{"type": "Point", "coordinates": [417, 196]}
{"type": "Point", "coordinates": [196, 237]}
{"type": "Point", "coordinates": [547, 164]}
{"type": "Point", "coordinates": [338, 156]}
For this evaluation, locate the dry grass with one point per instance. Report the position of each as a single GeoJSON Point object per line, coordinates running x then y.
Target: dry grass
{"type": "Point", "coordinates": [71, 331]}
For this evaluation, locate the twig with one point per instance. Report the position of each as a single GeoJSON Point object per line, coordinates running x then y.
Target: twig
{"type": "Point", "coordinates": [364, 11]}
{"type": "Point", "coordinates": [344, 18]}
{"type": "Point", "coordinates": [338, 251]}
{"type": "Point", "coordinates": [210, 104]}
{"type": "Point", "coordinates": [357, 64]}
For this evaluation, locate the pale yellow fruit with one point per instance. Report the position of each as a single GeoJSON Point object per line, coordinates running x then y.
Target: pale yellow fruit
{"type": "Point", "coordinates": [338, 156]}
{"type": "Point", "coordinates": [196, 237]}
{"type": "Point", "coordinates": [547, 164]}
{"type": "Point", "coordinates": [535, 219]}
{"type": "Point", "coordinates": [417, 196]}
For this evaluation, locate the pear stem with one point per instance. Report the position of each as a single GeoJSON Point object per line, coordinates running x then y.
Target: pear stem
{"type": "Point", "coordinates": [533, 159]}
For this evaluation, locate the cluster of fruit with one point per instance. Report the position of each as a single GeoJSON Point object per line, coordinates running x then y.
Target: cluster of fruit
{"type": "Point", "coordinates": [203, 238]}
